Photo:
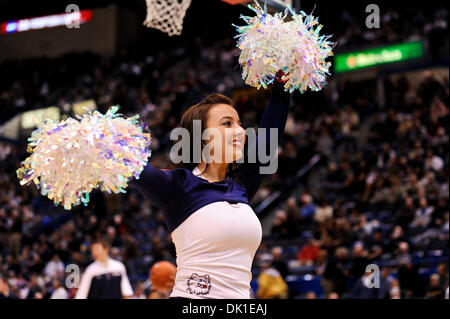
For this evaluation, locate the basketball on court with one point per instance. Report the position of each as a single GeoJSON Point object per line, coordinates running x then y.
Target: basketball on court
{"type": "Point", "coordinates": [162, 274]}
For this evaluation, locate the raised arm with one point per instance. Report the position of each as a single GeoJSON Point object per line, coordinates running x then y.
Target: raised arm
{"type": "Point", "coordinates": [274, 116]}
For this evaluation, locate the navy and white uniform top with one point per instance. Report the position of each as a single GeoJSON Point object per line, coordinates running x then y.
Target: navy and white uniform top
{"type": "Point", "coordinates": [104, 281]}
{"type": "Point", "coordinates": [215, 231]}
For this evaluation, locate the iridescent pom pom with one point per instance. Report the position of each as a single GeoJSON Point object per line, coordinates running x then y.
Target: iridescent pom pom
{"type": "Point", "coordinates": [71, 157]}
{"type": "Point", "coordinates": [268, 44]}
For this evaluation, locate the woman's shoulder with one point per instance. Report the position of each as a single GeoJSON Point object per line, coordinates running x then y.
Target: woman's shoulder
{"type": "Point", "coordinates": [176, 171]}
{"type": "Point", "coordinates": [180, 174]}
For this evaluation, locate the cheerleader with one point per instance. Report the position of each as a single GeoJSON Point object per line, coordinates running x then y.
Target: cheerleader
{"type": "Point", "coordinates": [207, 205]}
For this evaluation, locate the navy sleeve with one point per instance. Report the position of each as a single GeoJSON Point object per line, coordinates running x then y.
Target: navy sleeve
{"type": "Point", "coordinates": [274, 116]}
{"type": "Point", "coordinates": [160, 185]}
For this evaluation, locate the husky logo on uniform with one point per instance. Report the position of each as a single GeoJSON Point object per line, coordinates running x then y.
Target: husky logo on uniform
{"type": "Point", "coordinates": [199, 285]}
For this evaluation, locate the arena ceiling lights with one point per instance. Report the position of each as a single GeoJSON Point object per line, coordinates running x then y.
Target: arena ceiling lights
{"type": "Point", "coordinates": [44, 22]}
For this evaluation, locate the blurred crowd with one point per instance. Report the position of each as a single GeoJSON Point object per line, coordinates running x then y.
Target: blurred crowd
{"type": "Point", "coordinates": [379, 197]}
{"type": "Point", "coordinates": [398, 23]}
{"type": "Point", "coordinates": [384, 199]}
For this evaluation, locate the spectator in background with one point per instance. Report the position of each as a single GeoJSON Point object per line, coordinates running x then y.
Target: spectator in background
{"type": "Point", "coordinates": [54, 268]}
{"type": "Point", "coordinates": [13, 263]}
{"type": "Point", "coordinates": [366, 228]}
{"type": "Point", "coordinates": [333, 295]}
{"type": "Point", "coordinates": [397, 236]}
{"type": "Point", "coordinates": [442, 270]}
{"type": "Point", "coordinates": [336, 271]}
{"type": "Point", "coordinates": [293, 216]}
{"type": "Point", "coordinates": [395, 292]}
{"type": "Point", "coordinates": [433, 162]}
{"type": "Point", "coordinates": [385, 284]}
{"type": "Point", "coordinates": [58, 290]}
{"type": "Point", "coordinates": [445, 226]}
{"type": "Point", "coordinates": [3, 229]}
{"type": "Point", "coordinates": [403, 256]}
{"type": "Point", "coordinates": [262, 253]}
{"type": "Point", "coordinates": [288, 162]}
{"type": "Point", "coordinates": [325, 143]}
{"type": "Point", "coordinates": [435, 290]}
{"type": "Point", "coordinates": [359, 260]}
{"type": "Point", "coordinates": [311, 295]}
{"type": "Point", "coordinates": [271, 284]}
{"type": "Point", "coordinates": [410, 281]}
{"type": "Point", "coordinates": [16, 231]}
{"type": "Point", "coordinates": [334, 175]}
{"type": "Point", "coordinates": [439, 211]}
{"type": "Point", "coordinates": [5, 290]}
{"type": "Point", "coordinates": [131, 253]}
{"type": "Point", "coordinates": [112, 238]}
{"type": "Point", "coordinates": [423, 215]}
{"type": "Point", "coordinates": [376, 244]}
{"type": "Point", "coordinates": [406, 213]}
{"type": "Point", "coordinates": [281, 226]}
{"type": "Point", "coordinates": [278, 263]}
{"type": "Point", "coordinates": [35, 290]}
{"type": "Point", "coordinates": [323, 211]}
{"type": "Point", "coordinates": [349, 120]}
{"type": "Point", "coordinates": [307, 209]}
{"type": "Point", "coordinates": [116, 254]}
{"type": "Point", "coordinates": [364, 289]}
{"type": "Point", "coordinates": [139, 292]}
{"type": "Point", "coordinates": [35, 264]}
{"type": "Point", "coordinates": [309, 253]}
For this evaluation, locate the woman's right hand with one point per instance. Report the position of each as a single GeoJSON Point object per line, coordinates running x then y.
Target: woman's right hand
{"type": "Point", "coordinates": [278, 77]}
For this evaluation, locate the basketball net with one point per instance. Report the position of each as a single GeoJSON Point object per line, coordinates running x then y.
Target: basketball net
{"type": "Point", "coordinates": [166, 15]}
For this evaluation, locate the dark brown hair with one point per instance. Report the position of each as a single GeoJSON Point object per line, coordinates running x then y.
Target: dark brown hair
{"type": "Point", "coordinates": [200, 111]}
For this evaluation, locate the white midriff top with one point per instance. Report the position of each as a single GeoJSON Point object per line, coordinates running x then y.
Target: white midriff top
{"type": "Point", "coordinates": [215, 248]}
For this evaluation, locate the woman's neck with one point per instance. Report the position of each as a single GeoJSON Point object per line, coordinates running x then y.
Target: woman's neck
{"type": "Point", "coordinates": [216, 171]}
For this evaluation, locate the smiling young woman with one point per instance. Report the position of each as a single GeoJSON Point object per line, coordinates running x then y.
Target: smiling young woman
{"type": "Point", "coordinates": [206, 205]}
